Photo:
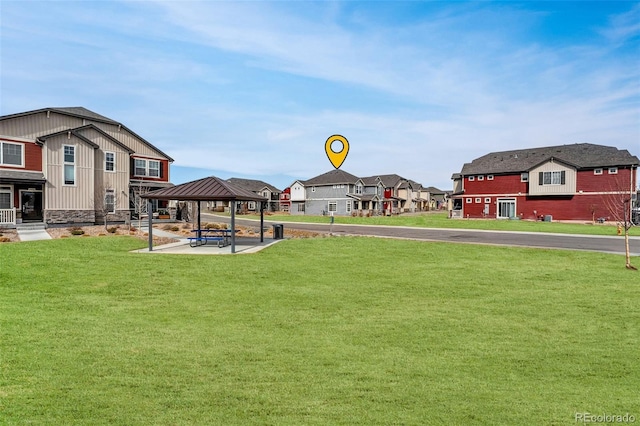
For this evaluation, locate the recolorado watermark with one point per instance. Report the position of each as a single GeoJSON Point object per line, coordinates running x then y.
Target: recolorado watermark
{"type": "Point", "coordinates": [604, 418]}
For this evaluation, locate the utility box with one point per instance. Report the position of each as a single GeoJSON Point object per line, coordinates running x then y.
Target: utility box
{"type": "Point", "coordinates": [548, 218]}
{"type": "Point", "coordinates": [278, 231]}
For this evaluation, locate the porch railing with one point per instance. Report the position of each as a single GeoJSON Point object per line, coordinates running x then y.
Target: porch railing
{"type": "Point", "coordinates": [8, 216]}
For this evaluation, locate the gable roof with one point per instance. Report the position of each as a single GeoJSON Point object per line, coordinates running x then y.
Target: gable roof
{"type": "Point", "coordinates": [78, 133]}
{"type": "Point", "coordinates": [332, 177]}
{"type": "Point", "coordinates": [206, 189]}
{"type": "Point", "coordinates": [581, 156]}
{"type": "Point", "coordinates": [252, 184]}
{"type": "Point", "coordinates": [391, 180]}
{"type": "Point", "coordinates": [82, 112]}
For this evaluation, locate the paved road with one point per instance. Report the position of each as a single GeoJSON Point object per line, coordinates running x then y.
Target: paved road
{"type": "Point", "coordinates": [614, 244]}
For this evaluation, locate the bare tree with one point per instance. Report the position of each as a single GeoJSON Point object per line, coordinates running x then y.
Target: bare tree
{"type": "Point", "coordinates": [105, 202]}
{"type": "Point", "coordinates": [618, 204]}
{"type": "Point", "coordinates": [139, 203]}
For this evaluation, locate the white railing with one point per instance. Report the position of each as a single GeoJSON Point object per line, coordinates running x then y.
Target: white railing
{"type": "Point", "coordinates": [456, 214]}
{"type": "Point", "coordinates": [8, 216]}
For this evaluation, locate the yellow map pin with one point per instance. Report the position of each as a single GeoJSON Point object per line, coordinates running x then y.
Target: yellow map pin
{"type": "Point", "coordinates": [337, 157]}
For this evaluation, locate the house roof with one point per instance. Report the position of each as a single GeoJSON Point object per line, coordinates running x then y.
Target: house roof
{"type": "Point", "coordinates": [390, 181]}
{"type": "Point", "coordinates": [82, 112]}
{"type": "Point", "coordinates": [78, 133]}
{"type": "Point", "coordinates": [12, 176]}
{"type": "Point", "coordinates": [581, 156]}
{"type": "Point", "coordinates": [332, 177]}
{"type": "Point", "coordinates": [433, 190]}
{"type": "Point", "coordinates": [252, 184]}
{"type": "Point", "coordinates": [207, 189]}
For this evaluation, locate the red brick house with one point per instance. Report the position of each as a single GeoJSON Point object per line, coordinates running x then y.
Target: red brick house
{"type": "Point", "coordinates": [72, 165]}
{"type": "Point", "coordinates": [566, 182]}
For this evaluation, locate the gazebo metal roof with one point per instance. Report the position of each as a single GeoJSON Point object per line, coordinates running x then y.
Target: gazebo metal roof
{"type": "Point", "coordinates": [207, 189]}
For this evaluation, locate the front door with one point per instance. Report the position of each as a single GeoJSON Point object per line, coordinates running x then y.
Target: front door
{"type": "Point", "coordinates": [31, 202]}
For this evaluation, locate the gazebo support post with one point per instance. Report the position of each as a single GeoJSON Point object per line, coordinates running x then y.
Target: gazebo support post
{"type": "Point", "coordinates": [233, 226]}
{"type": "Point", "coordinates": [262, 221]}
{"type": "Point", "coordinates": [150, 213]}
{"type": "Point", "coordinates": [199, 226]}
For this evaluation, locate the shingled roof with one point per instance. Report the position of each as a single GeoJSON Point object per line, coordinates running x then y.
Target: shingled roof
{"type": "Point", "coordinates": [252, 184]}
{"type": "Point", "coordinates": [581, 156]}
{"type": "Point", "coordinates": [332, 177]}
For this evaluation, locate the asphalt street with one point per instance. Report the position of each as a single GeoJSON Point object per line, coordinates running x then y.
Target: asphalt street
{"type": "Point", "coordinates": [603, 244]}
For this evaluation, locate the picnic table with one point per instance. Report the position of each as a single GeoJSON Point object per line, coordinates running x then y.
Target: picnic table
{"type": "Point", "coordinates": [221, 236]}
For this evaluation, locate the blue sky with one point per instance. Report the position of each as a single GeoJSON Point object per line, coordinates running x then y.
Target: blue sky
{"type": "Point", "coordinates": [254, 89]}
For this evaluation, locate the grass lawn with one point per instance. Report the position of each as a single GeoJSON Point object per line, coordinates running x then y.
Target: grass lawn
{"type": "Point", "coordinates": [315, 331]}
{"type": "Point", "coordinates": [440, 220]}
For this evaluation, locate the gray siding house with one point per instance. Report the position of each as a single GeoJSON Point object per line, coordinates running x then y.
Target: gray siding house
{"type": "Point", "coordinates": [330, 193]}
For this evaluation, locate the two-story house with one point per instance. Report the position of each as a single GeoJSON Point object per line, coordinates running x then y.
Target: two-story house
{"type": "Point", "coordinates": [566, 182]}
{"type": "Point", "coordinates": [261, 188]}
{"type": "Point", "coordinates": [71, 165]}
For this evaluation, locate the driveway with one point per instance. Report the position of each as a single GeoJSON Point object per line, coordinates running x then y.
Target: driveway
{"type": "Point", "coordinates": [603, 244]}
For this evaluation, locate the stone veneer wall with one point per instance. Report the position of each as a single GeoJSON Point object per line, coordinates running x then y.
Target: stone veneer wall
{"type": "Point", "coordinates": [120, 216]}
{"type": "Point", "coordinates": [69, 216]}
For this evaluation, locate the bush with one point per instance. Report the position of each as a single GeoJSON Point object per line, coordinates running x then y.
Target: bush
{"type": "Point", "coordinates": [167, 227]}
{"type": "Point", "coordinates": [112, 230]}
{"type": "Point", "coordinates": [4, 239]}
{"type": "Point", "coordinates": [76, 231]}
{"type": "Point", "coordinates": [174, 228]}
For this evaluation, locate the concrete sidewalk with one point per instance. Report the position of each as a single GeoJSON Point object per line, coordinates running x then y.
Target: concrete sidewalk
{"type": "Point", "coordinates": [33, 234]}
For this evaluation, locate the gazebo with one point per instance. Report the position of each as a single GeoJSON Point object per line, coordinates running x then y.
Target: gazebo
{"type": "Point", "coordinates": [209, 189]}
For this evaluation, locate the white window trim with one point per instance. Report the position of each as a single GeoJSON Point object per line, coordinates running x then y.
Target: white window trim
{"type": "Point", "coordinates": [105, 161]}
{"type": "Point", "coordinates": [8, 190]}
{"type": "Point", "coordinates": [597, 171]}
{"type": "Point", "coordinates": [613, 170]}
{"type": "Point", "coordinates": [335, 204]}
{"type": "Point", "coordinates": [113, 194]}
{"type": "Point", "coordinates": [313, 189]}
{"type": "Point", "coordinates": [147, 162]}
{"type": "Point", "coordinates": [481, 177]}
{"type": "Point", "coordinates": [489, 177]}
{"type": "Point", "coordinates": [524, 177]}
{"type": "Point", "coordinates": [469, 200]}
{"type": "Point", "coordinates": [478, 200]}
{"type": "Point", "coordinates": [67, 163]}
{"type": "Point", "coordinates": [348, 206]}
{"type": "Point", "coordinates": [472, 178]}
{"type": "Point", "coordinates": [487, 200]}
{"type": "Point", "coordinates": [22, 149]}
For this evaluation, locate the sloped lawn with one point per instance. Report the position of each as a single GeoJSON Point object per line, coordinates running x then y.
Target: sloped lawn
{"type": "Point", "coordinates": [315, 331]}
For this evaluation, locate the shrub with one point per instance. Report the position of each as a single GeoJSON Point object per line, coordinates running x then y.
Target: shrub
{"type": "Point", "coordinates": [168, 227]}
{"type": "Point", "coordinates": [76, 231]}
{"type": "Point", "coordinates": [4, 239]}
{"type": "Point", "coordinates": [174, 228]}
{"type": "Point", "coordinates": [112, 230]}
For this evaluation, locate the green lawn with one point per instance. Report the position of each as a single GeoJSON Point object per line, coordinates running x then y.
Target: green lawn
{"type": "Point", "coordinates": [440, 220]}
{"type": "Point", "coordinates": [315, 331]}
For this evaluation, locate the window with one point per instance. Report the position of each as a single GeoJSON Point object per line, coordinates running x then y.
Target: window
{"type": "Point", "coordinates": [333, 206]}
{"type": "Point", "coordinates": [300, 207]}
{"type": "Point", "coordinates": [348, 206]}
{"type": "Point", "coordinates": [613, 170]}
{"type": "Point", "coordinates": [154, 168]}
{"type": "Point", "coordinates": [487, 200]}
{"type": "Point", "coordinates": [471, 178]}
{"type": "Point", "coordinates": [478, 200]}
{"type": "Point", "coordinates": [524, 177]}
{"type": "Point", "coordinates": [489, 177]}
{"type": "Point", "coordinates": [251, 205]}
{"type": "Point", "coordinates": [468, 200]}
{"type": "Point", "coordinates": [597, 171]}
{"type": "Point", "coordinates": [149, 168]}
{"type": "Point", "coordinates": [5, 197]}
{"type": "Point", "coordinates": [110, 201]}
{"type": "Point", "coordinates": [69, 164]}
{"type": "Point", "coordinates": [313, 189]}
{"type": "Point", "coordinates": [140, 167]}
{"type": "Point", "coordinates": [552, 178]}
{"type": "Point", "coordinates": [358, 189]}
{"type": "Point", "coordinates": [110, 161]}
{"type": "Point", "coordinates": [480, 177]}
{"type": "Point", "coordinates": [11, 154]}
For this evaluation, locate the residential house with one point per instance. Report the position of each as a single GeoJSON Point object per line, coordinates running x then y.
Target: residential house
{"type": "Point", "coordinates": [437, 197]}
{"type": "Point", "coordinates": [285, 200]}
{"type": "Point", "coordinates": [330, 193]}
{"type": "Point", "coordinates": [71, 165]}
{"type": "Point", "coordinates": [566, 182]}
{"type": "Point", "coordinates": [261, 188]}
{"type": "Point", "coordinates": [298, 197]}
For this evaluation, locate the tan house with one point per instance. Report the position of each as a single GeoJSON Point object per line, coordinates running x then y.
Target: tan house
{"type": "Point", "coordinates": [71, 165]}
